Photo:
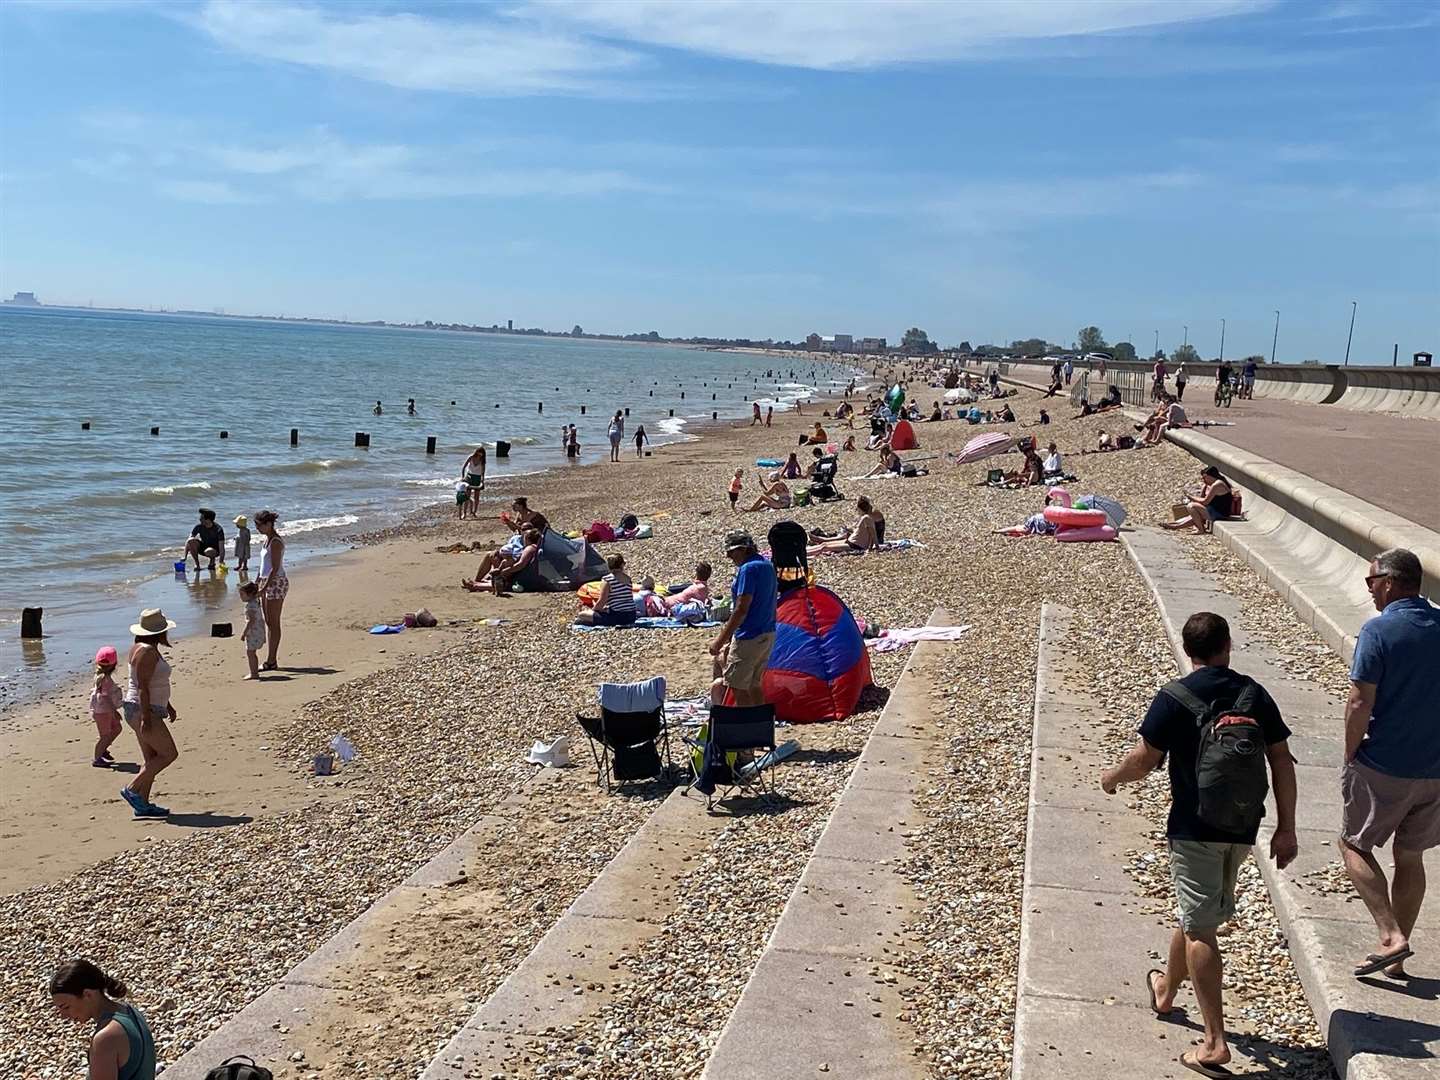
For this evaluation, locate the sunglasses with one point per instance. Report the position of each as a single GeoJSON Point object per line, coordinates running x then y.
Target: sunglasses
{"type": "Point", "coordinates": [1370, 579]}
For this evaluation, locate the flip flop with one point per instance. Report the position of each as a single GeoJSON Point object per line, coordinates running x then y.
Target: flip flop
{"type": "Point", "coordinates": [1150, 986]}
{"type": "Point", "coordinates": [1375, 961]}
{"type": "Point", "coordinates": [1194, 1064]}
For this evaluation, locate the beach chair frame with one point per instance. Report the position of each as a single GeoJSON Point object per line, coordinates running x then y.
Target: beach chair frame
{"type": "Point", "coordinates": [735, 728]}
{"type": "Point", "coordinates": [613, 730]}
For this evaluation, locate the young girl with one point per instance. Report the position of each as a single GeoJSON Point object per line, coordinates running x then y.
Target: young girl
{"type": "Point", "coordinates": [735, 485]}
{"type": "Point", "coordinates": [640, 440]}
{"type": "Point", "coordinates": [122, 1045]}
{"type": "Point", "coordinates": [254, 632]}
{"type": "Point", "coordinates": [105, 701]}
{"type": "Point", "coordinates": [242, 543]}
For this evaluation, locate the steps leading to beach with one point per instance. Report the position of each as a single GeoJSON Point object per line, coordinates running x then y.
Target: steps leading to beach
{"type": "Point", "coordinates": [824, 997]}
{"type": "Point", "coordinates": [1376, 1029]}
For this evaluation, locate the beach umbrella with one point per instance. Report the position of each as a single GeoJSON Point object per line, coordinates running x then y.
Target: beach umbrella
{"type": "Point", "coordinates": [984, 446]}
{"type": "Point", "coordinates": [1111, 509]}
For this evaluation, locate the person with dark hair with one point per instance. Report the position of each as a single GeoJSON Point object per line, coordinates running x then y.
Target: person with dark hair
{"type": "Point", "coordinates": [148, 709]}
{"type": "Point", "coordinates": [207, 539]}
{"type": "Point", "coordinates": [1391, 777]}
{"type": "Point", "coordinates": [862, 536]}
{"type": "Point", "coordinates": [615, 606]}
{"type": "Point", "coordinates": [274, 583]}
{"type": "Point", "coordinates": [1204, 857]}
{"type": "Point", "coordinates": [1215, 501]}
{"type": "Point", "coordinates": [122, 1047]}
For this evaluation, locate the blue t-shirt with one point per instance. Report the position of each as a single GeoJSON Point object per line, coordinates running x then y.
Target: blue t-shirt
{"type": "Point", "coordinates": [756, 577]}
{"type": "Point", "coordinates": [1399, 651]}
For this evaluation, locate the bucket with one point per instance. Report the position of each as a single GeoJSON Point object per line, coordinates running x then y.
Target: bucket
{"type": "Point", "coordinates": [180, 567]}
{"type": "Point", "coordinates": [324, 764]}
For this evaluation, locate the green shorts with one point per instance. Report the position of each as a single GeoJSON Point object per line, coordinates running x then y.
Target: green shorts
{"type": "Point", "coordinates": [1204, 876]}
{"type": "Point", "coordinates": [475, 480]}
{"type": "Point", "coordinates": [462, 496]}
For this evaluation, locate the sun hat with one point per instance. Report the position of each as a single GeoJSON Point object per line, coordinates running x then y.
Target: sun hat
{"type": "Point", "coordinates": [738, 538]}
{"type": "Point", "coordinates": [152, 623]}
{"type": "Point", "coordinates": [106, 654]}
{"type": "Point", "coordinates": [241, 520]}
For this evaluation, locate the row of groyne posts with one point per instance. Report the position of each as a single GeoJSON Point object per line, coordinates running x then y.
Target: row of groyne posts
{"type": "Point", "coordinates": [502, 448]}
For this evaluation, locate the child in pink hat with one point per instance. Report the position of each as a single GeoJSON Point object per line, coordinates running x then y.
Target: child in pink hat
{"type": "Point", "coordinates": [105, 706]}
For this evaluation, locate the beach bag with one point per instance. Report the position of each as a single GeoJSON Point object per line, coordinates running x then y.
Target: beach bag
{"type": "Point", "coordinates": [239, 1067]}
{"type": "Point", "coordinates": [600, 532]}
{"type": "Point", "coordinates": [629, 523]}
{"type": "Point", "coordinates": [1230, 770]}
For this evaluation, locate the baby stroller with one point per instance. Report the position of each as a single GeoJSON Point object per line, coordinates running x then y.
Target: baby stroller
{"type": "Point", "coordinates": [822, 487]}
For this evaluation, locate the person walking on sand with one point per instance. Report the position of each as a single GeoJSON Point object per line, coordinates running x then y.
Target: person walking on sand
{"type": "Point", "coordinates": [273, 583]}
{"type": "Point", "coordinates": [742, 648]}
{"type": "Point", "coordinates": [106, 704]}
{"type": "Point", "coordinates": [473, 473]}
{"type": "Point", "coordinates": [616, 432]}
{"type": "Point", "coordinates": [1390, 781]}
{"type": "Point", "coordinates": [148, 709]}
{"type": "Point", "coordinates": [769, 414]}
{"type": "Point", "coordinates": [640, 440]}
{"type": "Point", "coordinates": [122, 1047]}
{"type": "Point", "coordinates": [1205, 722]}
{"type": "Point", "coordinates": [572, 443]}
{"type": "Point", "coordinates": [754, 413]}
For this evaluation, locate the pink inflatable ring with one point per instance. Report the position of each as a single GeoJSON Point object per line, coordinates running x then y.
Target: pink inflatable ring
{"type": "Point", "coordinates": [1093, 532]}
{"type": "Point", "coordinates": [1066, 517]}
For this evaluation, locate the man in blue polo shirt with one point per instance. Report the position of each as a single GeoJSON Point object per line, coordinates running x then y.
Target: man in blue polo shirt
{"type": "Point", "coordinates": [1391, 778]}
{"type": "Point", "coordinates": [744, 642]}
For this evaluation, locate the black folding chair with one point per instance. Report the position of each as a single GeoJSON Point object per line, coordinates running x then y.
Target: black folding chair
{"type": "Point", "coordinates": [788, 540]}
{"type": "Point", "coordinates": [626, 745]}
{"type": "Point", "coordinates": [726, 753]}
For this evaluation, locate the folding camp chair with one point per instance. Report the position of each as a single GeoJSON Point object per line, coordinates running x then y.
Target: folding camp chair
{"type": "Point", "coordinates": [716, 760]}
{"type": "Point", "coordinates": [625, 738]}
{"type": "Point", "coordinates": [788, 540]}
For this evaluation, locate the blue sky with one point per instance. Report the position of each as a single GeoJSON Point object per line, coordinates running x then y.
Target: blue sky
{"type": "Point", "coordinates": [987, 171]}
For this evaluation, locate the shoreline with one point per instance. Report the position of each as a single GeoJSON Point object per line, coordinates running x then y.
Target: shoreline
{"type": "Point", "coordinates": [229, 769]}
{"type": "Point", "coordinates": [31, 670]}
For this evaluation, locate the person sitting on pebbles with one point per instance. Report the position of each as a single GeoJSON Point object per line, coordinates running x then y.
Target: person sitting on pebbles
{"type": "Point", "coordinates": [862, 536]}
{"type": "Point", "coordinates": [773, 496]}
{"type": "Point", "coordinates": [505, 567]}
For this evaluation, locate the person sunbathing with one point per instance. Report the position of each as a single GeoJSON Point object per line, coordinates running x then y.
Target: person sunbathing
{"type": "Point", "coordinates": [862, 536]}
{"type": "Point", "coordinates": [1031, 471]}
{"type": "Point", "coordinates": [817, 436]}
{"type": "Point", "coordinates": [1173, 416]}
{"type": "Point", "coordinates": [849, 443]}
{"type": "Point", "coordinates": [773, 496]}
{"type": "Point", "coordinates": [890, 462]}
{"type": "Point", "coordinates": [697, 590]}
{"type": "Point", "coordinates": [500, 568]}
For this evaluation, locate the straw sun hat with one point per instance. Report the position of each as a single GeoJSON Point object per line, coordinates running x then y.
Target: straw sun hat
{"type": "Point", "coordinates": [152, 623]}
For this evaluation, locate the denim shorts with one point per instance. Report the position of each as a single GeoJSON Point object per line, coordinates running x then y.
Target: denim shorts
{"type": "Point", "coordinates": [132, 712]}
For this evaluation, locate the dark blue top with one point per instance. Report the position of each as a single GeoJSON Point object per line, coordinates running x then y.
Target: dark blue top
{"type": "Point", "coordinates": [1171, 728]}
{"type": "Point", "coordinates": [756, 577]}
{"type": "Point", "coordinates": [1399, 651]}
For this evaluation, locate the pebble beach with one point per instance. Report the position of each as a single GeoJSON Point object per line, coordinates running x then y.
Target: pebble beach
{"type": "Point", "coordinates": [202, 923]}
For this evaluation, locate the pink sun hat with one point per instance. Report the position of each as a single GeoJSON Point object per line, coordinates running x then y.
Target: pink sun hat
{"type": "Point", "coordinates": [107, 655]}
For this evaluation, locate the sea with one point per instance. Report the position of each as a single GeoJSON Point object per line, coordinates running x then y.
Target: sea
{"type": "Point", "coordinates": [187, 411]}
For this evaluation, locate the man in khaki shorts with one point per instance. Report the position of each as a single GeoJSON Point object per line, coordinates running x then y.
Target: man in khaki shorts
{"type": "Point", "coordinates": [1391, 778]}
{"type": "Point", "coordinates": [742, 648]}
{"type": "Point", "coordinates": [1204, 858]}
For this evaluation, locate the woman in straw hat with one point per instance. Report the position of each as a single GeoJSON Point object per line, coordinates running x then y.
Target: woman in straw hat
{"type": "Point", "coordinates": [147, 708]}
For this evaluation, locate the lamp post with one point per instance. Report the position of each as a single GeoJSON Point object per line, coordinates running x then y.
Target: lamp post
{"type": "Point", "coordinates": [1157, 342]}
{"type": "Point", "coordinates": [1222, 340]}
{"type": "Point", "coordinates": [1276, 338]}
{"type": "Point", "coordinates": [1187, 335]}
{"type": "Point", "coordinates": [1349, 337]}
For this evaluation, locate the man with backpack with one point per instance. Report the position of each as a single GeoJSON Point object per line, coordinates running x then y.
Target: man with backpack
{"type": "Point", "coordinates": [1220, 729]}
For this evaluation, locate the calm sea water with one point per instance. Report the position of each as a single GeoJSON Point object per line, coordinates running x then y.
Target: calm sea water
{"type": "Point", "coordinates": [90, 521]}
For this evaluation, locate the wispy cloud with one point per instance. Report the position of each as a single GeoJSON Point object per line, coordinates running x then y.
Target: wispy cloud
{"type": "Point", "coordinates": [216, 192]}
{"type": "Point", "coordinates": [495, 56]}
{"type": "Point", "coordinates": [860, 35]}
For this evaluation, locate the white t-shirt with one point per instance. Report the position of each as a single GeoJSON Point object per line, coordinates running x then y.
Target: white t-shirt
{"type": "Point", "coordinates": [1052, 463]}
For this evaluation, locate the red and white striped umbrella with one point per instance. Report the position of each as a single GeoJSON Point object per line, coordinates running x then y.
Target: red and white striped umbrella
{"type": "Point", "coordinates": [984, 446]}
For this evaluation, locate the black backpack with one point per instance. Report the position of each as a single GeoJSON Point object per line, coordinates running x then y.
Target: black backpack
{"type": "Point", "coordinates": [239, 1067]}
{"type": "Point", "coordinates": [1230, 770]}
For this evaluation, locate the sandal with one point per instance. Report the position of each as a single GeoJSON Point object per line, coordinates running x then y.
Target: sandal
{"type": "Point", "coordinates": [269, 665]}
{"type": "Point", "coordinates": [1376, 961]}
{"type": "Point", "coordinates": [1150, 986]}
{"type": "Point", "coordinates": [1194, 1064]}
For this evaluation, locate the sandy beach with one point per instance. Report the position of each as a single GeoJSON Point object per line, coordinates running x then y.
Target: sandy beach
{"type": "Point", "coordinates": [263, 861]}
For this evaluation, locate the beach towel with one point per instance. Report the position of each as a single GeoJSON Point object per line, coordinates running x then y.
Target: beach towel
{"type": "Point", "coordinates": [643, 696]}
{"type": "Point", "coordinates": [899, 637]}
{"type": "Point", "coordinates": [647, 623]}
{"type": "Point", "coordinates": [688, 712]}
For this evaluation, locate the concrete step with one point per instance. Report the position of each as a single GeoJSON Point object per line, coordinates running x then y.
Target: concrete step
{"type": "Point", "coordinates": [1376, 1029]}
{"type": "Point", "coordinates": [824, 997]}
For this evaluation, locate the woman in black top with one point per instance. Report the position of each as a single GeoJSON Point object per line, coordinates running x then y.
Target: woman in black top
{"type": "Point", "coordinates": [1215, 502]}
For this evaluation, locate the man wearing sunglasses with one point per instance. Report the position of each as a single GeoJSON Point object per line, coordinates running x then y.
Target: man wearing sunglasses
{"type": "Point", "coordinates": [1391, 778]}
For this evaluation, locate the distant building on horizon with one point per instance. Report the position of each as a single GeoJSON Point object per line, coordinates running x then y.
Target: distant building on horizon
{"type": "Point", "coordinates": [837, 343]}
{"type": "Point", "coordinates": [872, 345]}
{"type": "Point", "coordinates": [23, 299]}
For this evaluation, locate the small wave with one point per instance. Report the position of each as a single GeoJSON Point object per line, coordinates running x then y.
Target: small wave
{"type": "Point", "coordinates": [673, 425]}
{"type": "Point", "coordinates": [435, 482]}
{"type": "Point", "coordinates": [304, 525]}
{"type": "Point", "coordinates": [309, 468]}
{"type": "Point", "coordinates": [157, 494]}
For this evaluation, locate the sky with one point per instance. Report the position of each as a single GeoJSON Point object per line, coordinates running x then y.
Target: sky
{"type": "Point", "coordinates": [986, 171]}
